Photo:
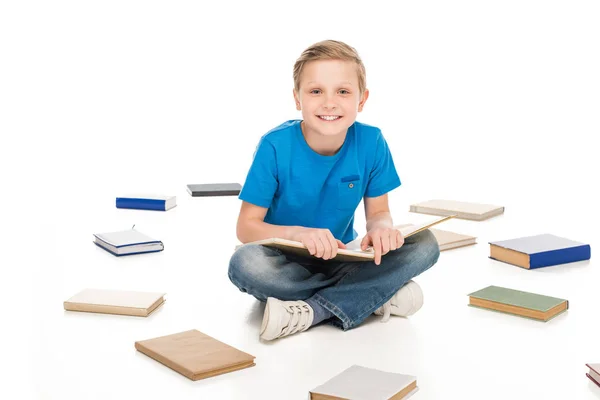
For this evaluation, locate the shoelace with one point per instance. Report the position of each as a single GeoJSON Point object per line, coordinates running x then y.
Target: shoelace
{"type": "Point", "coordinates": [298, 320]}
{"type": "Point", "coordinates": [387, 311]}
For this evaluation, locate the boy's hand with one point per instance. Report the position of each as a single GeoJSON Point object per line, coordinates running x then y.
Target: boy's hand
{"type": "Point", "coordinates": [319, 242]}
{"type": "Point", "coordinates": [383, 240]}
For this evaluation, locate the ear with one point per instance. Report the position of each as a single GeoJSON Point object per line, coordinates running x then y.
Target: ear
{"type": "Point", "coordinates": [297, 100]}
{"type": "Point", "coordinates": [362, 102]}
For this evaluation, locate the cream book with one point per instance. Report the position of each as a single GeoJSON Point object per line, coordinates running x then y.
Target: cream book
{"type": "Point", "coordinates": [593, 373]}
{"type": "Point", "coordinates": [361, 383]}
{"type": "Point", "coordinates": [352, 251]}
{"type": "Point", "coordinates": [449, 240]}
{"type": "Point", "coordinates": [195, 355]}
{"type": "Point", "coordinates": [120, 302]}
{"type": "Point", "coordinates": [460, 209]}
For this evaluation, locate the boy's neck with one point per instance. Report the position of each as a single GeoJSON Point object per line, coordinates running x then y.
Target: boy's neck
{"type": "Point", "coordinates": [323, 145]}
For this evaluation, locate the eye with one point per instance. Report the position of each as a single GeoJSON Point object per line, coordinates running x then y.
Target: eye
{"type": "Point", "coordinates": [315, 91]}
{"type": "Point", "coordinates": [344, 91]}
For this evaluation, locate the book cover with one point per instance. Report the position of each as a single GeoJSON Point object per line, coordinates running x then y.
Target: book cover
{"type": "Point", "coordinates": [147, 202]}
{"type": "Point", "coordinates": [361, 383]}
{"type": "Point", "coordinates": [460, 209]}
{"type": "Point", "coordinates": [127, 242]}
{"type": "Point", "coordinates": [119, 302]}
{"type": "Point", "coordinates": [539, 251]}
{"type": "Point", "coordinates": [525, 304]}
{"type": "Point", "coordinates": [195, 355]}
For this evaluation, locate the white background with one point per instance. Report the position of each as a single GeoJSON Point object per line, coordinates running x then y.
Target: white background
{"type": "Point", "coordinates": [494, 102]}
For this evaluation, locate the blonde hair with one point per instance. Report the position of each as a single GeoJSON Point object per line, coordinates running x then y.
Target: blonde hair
{"type": "Point", "coordinates": [330, 50]}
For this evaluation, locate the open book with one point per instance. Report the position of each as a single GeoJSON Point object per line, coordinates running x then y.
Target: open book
{"type": "Point", "coordinates": [352, 251]}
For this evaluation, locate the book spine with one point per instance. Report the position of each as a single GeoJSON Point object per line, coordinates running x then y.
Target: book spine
{"type": "Point", "coordinates": [561, 256]}
{"type": "Point", "coordinates": [592, 379]}
{"type": "Point", "coordinates": [141, 204]}
{"type": "Point", "coordinates": [100, 309]}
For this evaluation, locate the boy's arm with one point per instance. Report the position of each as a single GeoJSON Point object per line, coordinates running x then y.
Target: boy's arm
{"type": "Point", "coordinates": [251, 226]}
{"type": "Point", "coordinates": [377, 212]}
{"type": "Point", "coordinates": [381, 234]}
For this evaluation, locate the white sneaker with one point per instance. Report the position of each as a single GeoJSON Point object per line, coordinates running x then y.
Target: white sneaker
{"type": "Point", "coordinates": [407, 301]}
{"type": "Point", "coordinates": [283, 318]}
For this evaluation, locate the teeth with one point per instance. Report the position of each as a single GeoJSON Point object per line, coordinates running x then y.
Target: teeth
{"type": "Point", "coordinates": [329, 117]}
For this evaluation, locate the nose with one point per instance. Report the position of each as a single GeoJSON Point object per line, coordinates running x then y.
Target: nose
{"type": "Point", "coordinates": [329, 103]}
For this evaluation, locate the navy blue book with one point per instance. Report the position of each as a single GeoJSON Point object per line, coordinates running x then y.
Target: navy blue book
{"type": "Point", "coordinates": [539, 251]}
{"type": "Point", "coordinates": [125, 243]}
{"type": "Point", "coordinates": [147, 202]}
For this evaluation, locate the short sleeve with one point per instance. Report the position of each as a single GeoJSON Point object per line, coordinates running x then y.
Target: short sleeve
{"type": "Point", "coordinates": [383, 177]}
{"type": "Point", "coordinates": [261, 181]}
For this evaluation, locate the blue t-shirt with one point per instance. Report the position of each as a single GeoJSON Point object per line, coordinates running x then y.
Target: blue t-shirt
{"type": "Point", "coordinates": [302, 187]}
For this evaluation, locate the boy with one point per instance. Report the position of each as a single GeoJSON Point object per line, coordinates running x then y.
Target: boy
{"type": "Point", "coordinates": [305, 183]}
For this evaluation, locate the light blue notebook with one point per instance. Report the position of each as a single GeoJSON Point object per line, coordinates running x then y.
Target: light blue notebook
{"type": "Point", "coordinates": [129, 242]}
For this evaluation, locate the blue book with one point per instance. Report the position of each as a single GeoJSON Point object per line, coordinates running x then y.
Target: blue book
{"type": "Point", "coordinates": [147, 202]}
{"type": "Point", "coordinates": [129, 242]}
{"type": "Point", "coordinates": [539, 251]}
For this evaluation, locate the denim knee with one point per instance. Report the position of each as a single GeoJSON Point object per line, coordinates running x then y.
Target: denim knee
{"type": "Point", "coordinates": [245, 264]}
{"type": "Point", "coordinates": [428, 246]}
{"type": "Point", "coordinates": [418, 253]}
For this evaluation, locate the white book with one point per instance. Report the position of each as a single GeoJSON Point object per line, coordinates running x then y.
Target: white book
{"type": "Point", "coordinates": [127, 242]}
{"type": "Point", "coordinates": [460, 209]}
{"type": "Point", "coordinates": [361, 383]}
{"type": "Point", "coordinates": [120, 302]}
{"type": "Point", "coordinates": [352, 252]}
{"type": "Point", "coordinates": [406, 230]}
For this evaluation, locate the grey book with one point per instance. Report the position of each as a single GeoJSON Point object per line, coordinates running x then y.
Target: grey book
{"type": "Point", "coordinates": [214, 189]}
{"type": "Point", "coordinates": [361, 383]}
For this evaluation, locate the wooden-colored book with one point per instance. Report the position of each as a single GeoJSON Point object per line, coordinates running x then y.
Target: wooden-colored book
{"type": "Point", "coordinates": [594, 373]}
{"type": "Point", "coordinates": [195, 355]}
{"type": "Point", "coordinates": [121, 302]}
{"type": "Point", "coordinates": [460, 209]}
{"type": "Point", "coordinates": [516, 302]}
{"type": "Point", "coordinates": [451, 240]}
{"type": "Point", "coordinates": [539, 251]}
{"type": "Point", "coordinates": [361, 383]}
{"type": "Point", "coordinates": [352, 252]}
{"type": "Point", "coordinates": [448, 240]}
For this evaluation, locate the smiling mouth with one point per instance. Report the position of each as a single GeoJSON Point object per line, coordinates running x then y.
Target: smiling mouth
{"type": "Point", "coordinates": [329, 117]}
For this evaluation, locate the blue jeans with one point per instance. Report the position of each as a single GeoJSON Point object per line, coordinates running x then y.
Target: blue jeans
{"type": "Point", "coordinates": [351, 291]}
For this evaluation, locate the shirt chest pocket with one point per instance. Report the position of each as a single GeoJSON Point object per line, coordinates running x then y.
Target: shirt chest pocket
{"type": "Point", "coordinates": [349, 193]}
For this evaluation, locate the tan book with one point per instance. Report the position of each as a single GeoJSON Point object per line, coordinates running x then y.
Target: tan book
{"type": "Point", "coordinates": [120, 302]}
{"type": "Point", "coordinates": [352, 252]}
{"type": "Point", "coordinates": [195, 355]}
{"type": "Point", "coordinates": [460, 209]}
{"type": "Point", "coordinates": [360, 383]}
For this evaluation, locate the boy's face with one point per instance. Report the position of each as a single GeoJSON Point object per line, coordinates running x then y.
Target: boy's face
{"type": "Point", "coordinates": [329, 96]}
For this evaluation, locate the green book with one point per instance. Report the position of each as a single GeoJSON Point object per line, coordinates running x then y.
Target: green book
{"type": "Point", "coordinates": [524, 304]}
